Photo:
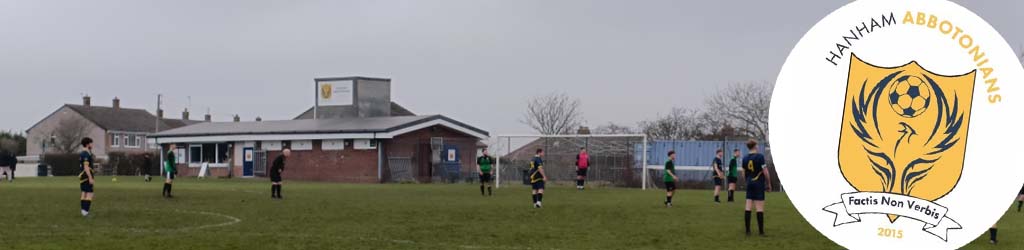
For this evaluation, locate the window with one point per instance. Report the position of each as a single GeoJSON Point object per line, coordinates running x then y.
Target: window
{"type": "Point", "coordinates": [132, 141]}
{"type": "Point", "coordinates": [213, 153]}
{"type": "Point", "coordinates": [116, 142]}
{"type": "Point", "coordinates": [302, 145]}
{"type": "Point", "coordinates": [180, 154]}
{"type": "Point", "coordinates": [365, 144]}
{"type": "Point", "coordinates": [223, 153]}
{"type": "Point", "coordinates": [195, 154]}
{"type": "Point", "coordinates": [124, 141]}
{"type": "Point", "coordinates": [332, 145]}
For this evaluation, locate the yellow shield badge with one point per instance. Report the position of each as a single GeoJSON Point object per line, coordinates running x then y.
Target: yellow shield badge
{"type": "Point", "coordinates": [326, 90]}
{"type": "Point", "coordinates": [904, 130]}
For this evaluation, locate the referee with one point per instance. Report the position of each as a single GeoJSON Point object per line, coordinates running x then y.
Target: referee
{"type": "Point", "coordinates": [275, 174]}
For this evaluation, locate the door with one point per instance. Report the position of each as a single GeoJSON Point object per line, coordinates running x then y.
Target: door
{"type": "Point", "coordinates": [247, 162]}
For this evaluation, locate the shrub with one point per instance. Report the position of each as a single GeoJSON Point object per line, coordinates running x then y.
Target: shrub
{"type": "Point", "coordinates": [121, 163]}
{"type": "Point", "coordinates": [62, 164]}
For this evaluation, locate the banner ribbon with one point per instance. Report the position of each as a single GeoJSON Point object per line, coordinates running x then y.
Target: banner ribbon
{"type": "Point", "coordinates": [855, 204]}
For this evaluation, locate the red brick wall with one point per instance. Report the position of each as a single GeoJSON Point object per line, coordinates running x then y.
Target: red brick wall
{"type": "Point", "coordinates": [348, 165]}
{"type": "Point", "coordinates": [416, 144]}
{"type": "Point", "coordinates": [360, 166]}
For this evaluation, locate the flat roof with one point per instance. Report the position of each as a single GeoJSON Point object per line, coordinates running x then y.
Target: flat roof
{"type": "Point", "coordinates": [374, 127]}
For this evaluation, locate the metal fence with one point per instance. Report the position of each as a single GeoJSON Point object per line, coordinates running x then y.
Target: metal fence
{"type": "Point", "coordinates": [613, 162]}
{"type": "Point", "coordinates": [259, 164]}
{"type": "Point", "coordinates": [433, 160]}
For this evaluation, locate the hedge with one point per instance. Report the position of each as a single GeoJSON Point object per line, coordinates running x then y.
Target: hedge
{"type": "Point", "coordinates": [131, 164]}
{"type": "Point", "coordinates": [62, 164]}
{"type": "Point", "coordinates": [121, 163]}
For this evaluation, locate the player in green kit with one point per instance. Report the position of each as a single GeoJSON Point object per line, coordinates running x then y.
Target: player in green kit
{"type": "Point", "coordinates": [670, 177]}
{"type": "Point", "coordinates": [170, 170]}
{"type": "Point", "coordinates": [486, 172]}
{"type": "Point", "coordinates": [731, 176]}
{"type": "Point", "coordinates": [85, 178]}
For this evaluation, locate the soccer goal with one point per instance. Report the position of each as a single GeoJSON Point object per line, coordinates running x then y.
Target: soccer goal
{"type": "Point", "coordinates": [615, 160]}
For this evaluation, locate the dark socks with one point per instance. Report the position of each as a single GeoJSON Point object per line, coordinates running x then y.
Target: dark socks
{"type": "Point", "coordinates": [534, 198]}
{"type": "Point", "coordinates": [481, 189]}
{"type": "Point", "coordinates": [746, 221]}
{"type": "Point", "coordinates": [716, 199]}
{"type": "Point", "coordinates": [169, 187]}
{"type": "Point", "coordinates": [760, 223]}
{"type": "Point", "coordinates": [275, 191]}
{"type": "Point", "coordinates": [86, 205]}
{"type": "Point", "coordinates": [489, 192]}
{"type": "Point", "coordinates": [731, 195]}
{"type": "Point", "coordinates": [992, 233]}
{"type": "Point", "coordinates": [668, 199]}
{"type": "Point", "coordinates": [540, 197]}
{"type": "Point", "coordinates": [583, 182]}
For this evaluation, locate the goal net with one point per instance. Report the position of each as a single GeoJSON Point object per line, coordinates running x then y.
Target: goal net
{"type": "Point", "coordinates": [615, 160]}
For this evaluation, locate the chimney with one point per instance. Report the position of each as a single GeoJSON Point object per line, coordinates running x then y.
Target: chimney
{"type": "Point", "coordinates": [87, 101]}
{"type": "Point", "coordinates": [258, 119]}
{"type": "Point", "coordinates": [160, 113]}
{"type": "Point", "coordinates": [184, 115]}
{"type": "Point", "coordinates": [584, 130]}
{"type": "Point", "coordinates": [117, 104]}
{"type": "Point", "coordinates": [208, 118]}
{"type": "Point", "coordinates": [237, 119]}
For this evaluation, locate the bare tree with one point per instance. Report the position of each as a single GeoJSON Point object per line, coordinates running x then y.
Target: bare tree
{"type": "Point", "coordinates": [68, 135]}
{"type": "Point", "coordinates": [553, 114]}
{"type": "Point", "coordinates": [742, 106]}
{"type": "Point", "coordinates": [612, 128]}
{"type": "Point", "coordinates": [680, 124]}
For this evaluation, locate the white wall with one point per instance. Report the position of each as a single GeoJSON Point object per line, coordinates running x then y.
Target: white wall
{"type": "Point", "coordinates": [239, 154]}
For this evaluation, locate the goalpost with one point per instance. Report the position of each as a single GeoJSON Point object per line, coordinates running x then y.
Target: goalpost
{"type": "Point", "coordinates": [615, 159]}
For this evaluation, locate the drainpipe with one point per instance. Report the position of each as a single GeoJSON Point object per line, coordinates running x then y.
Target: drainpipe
{"type": "Point", "coordinates": [380, 159]}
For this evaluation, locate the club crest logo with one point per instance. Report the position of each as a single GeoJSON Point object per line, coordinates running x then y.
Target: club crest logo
{"type": "Point", "coordinates": [889, 125]}
{"type": "Point", "coordinates": [903, 137]}
{"type": "Point", "coordinates": [326, 89]}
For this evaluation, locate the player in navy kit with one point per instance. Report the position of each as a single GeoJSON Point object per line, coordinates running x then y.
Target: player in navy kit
{"type": "Point", "coordinates": [537, 178]}
{"type": "Point", "coordinates": [85, 177]}
{"type": "Point", "coordinates": [719, 178]}
{"type": "Point", "coordinates": [758, 181]}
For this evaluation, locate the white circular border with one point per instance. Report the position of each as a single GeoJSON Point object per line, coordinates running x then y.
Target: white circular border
{"type": "Point", "coordinates": [806, 115]}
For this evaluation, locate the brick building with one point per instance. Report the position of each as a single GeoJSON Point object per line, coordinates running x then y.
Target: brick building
{"type": "Point", "coordinates": [369, 139]}
{"type": "Point", "coordinates": [114, 128]}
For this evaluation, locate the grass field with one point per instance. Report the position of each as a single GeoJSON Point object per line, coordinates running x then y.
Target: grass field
{"type": "Point", "coordinates": [42, 213]}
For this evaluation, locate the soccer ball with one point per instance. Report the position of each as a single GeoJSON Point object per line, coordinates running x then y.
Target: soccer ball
{"type": "Point", "coordinates": [910, 96]}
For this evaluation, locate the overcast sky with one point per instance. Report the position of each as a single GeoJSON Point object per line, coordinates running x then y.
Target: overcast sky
{"type": "Point", "coordinates": [475, 61]}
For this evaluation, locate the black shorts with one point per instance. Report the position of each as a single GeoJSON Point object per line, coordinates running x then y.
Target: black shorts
{"type": "Point", "coordinates": [170, 175]}
{"type": "Point", "coordinates": [486, 177]}
{"type": "Point", "coordinates": [731, 179]}
{"type": "Point", "coordinates": [86, 187]}
{"type": "Point", "coordinates": [538, 185]}
{"type": "Point", "coordinates": [670, 186]}
{"type": "Point", "coordinates": [581, 172]}
{"type": "Point", "coordinates": [755, 189]}
{"type": "Point", "coordinates": [718, 181]}
{"type": "Point", "coordinates": [275, 178]}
